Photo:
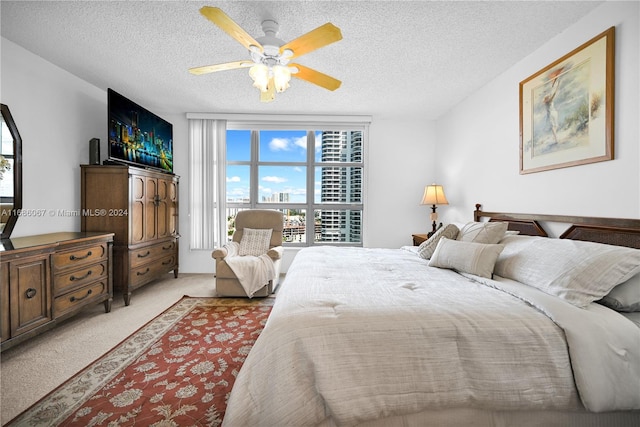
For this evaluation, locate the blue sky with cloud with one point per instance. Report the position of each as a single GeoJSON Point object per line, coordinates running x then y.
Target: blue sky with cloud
{"type": "Point", "coordinates": [275, 146]}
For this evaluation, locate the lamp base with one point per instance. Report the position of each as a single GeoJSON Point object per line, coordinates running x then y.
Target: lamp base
{"type": "Point", "coordinates": [431, 233]}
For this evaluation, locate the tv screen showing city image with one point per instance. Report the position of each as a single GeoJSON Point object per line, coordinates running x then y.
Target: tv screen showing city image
{"type": "Point", "coordinates": [137, 136]}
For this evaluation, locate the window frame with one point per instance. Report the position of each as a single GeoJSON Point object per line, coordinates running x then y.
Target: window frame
{"type": "Point", "coordinates": [310, 206]}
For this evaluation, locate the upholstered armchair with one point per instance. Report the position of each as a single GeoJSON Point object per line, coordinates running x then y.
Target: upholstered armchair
{"type": "Point", "coordinates": [254, 226]}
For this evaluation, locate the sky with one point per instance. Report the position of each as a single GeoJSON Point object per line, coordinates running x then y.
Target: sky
{"type": "Point", "coordinates": [275, 146]}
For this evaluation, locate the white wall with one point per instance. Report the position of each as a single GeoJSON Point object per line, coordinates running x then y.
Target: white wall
{"type": "Point", "coordinates": [57, 114]}
{"type": "Point", "coordinates": [401, 161]}
{"type": "Point", "coordinates": [478, 141]}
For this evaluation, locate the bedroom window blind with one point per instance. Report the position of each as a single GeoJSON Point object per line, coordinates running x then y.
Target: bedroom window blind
{"type": "Point", "coordinates": [207, 183]}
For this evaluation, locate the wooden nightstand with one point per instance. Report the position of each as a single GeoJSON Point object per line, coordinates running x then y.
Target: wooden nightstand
{"type": "Point", "coordinates": [419, 238]}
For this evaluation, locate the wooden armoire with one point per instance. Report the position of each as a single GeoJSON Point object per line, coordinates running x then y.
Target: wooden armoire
{"type": "Point", "coordinates": [141, 207]}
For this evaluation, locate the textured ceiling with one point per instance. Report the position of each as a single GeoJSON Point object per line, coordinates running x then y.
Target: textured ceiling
{"type": "Point", "coordinates": [396, 58]}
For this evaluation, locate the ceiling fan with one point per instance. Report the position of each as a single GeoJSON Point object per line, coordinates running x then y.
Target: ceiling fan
{"type": "Point", "coordinates": [269, 66]}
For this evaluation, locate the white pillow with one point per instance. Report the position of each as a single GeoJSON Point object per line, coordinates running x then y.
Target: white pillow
{"type": "Point", "coordinates": [483, 232]}
{"type": "Point", "coordinates": [255, 241]}
{"type": "Point", "coordinates": [579, 272]}
{"type": "Point", "coordinates": [466, 257]}
{"type": "Point", "coordinates": [509, 233]}
{"type": "Point", "coordinates": [426, 248]}
{"type": "Point", "coordinates": [625, 297]}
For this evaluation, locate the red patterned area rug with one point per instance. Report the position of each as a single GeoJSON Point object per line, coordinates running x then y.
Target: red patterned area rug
{"type": "Point", "coordinates": [177, 370]}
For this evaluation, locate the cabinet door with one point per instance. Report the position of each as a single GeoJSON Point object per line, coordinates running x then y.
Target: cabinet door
{"type": "Point", "coordinates": [29, 288]}
{"type": "Point", "coordinates": [162, 207]}
{"type": "Point", "coordinates": [172, 201]}
{"type": "Point", "coordinates": [137, 211]}
{"type": "Point", "coordinates": [154, 208]}
{"type": "Point", "coordinates": [5, 307]}
{"type": "Point", "coordinates": [151, 210]}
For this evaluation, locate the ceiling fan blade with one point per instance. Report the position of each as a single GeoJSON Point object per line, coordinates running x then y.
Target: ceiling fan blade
{"type": "Point", "coordinates": [314, 39]}
{"type": "Point", "coordinates": [220, 67]}
{"type": "Point", "coordinates": [315, 77]}
{"type": "Point", "coordinates": [226, 24]}
{"type": "Point", "coordinates": [270, 94]}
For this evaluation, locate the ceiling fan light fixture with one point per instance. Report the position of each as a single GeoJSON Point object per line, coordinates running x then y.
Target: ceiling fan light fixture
{"type": "Point", "coordinates": [270, 56]}
{"type": "Point", "coordinates": [281, 77]}
{"type": "Point", "coordinates": [260, 75]}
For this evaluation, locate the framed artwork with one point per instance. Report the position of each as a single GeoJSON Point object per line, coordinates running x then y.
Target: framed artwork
{"type": "Point", "coordinates": [566, 109]}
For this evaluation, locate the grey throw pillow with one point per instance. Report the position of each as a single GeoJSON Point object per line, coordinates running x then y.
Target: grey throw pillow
{"type": "Point", "coordinates": [425, 250]}
{"type": "Point", "coordinates": [466, 257]}
{"type": "Point", "coordinates": [483, 232]}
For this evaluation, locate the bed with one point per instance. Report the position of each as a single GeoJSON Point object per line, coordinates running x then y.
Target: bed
{"type": "Point", "coordinates": [529, 332]}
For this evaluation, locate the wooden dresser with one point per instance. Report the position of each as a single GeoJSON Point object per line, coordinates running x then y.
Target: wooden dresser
{"type": "Point", "coordinates": [49, 277]}
{"type": "Point", "coordinates": [141, 207]}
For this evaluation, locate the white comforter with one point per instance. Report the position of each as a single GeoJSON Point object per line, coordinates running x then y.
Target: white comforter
{"type": "Point", "coordinates": [359, 334]}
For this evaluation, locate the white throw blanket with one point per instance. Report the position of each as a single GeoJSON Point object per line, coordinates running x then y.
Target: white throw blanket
{"type": "Point", "coordinates": [253, 272]}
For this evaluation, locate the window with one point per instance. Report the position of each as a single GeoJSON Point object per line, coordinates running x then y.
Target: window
{"type": "Point", "coordinates": [314, 176]}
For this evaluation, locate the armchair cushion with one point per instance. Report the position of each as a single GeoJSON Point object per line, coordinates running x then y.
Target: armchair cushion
{"type": "Point", "coordinates": [255, 241]}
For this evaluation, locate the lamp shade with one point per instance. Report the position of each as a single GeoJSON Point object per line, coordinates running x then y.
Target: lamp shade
{"type": "Point", "coordinates": [281, 77]}
{"type": "Point", "coordinates": [260, 75]}
{"type": "Point", "coordinates": [434, 195]}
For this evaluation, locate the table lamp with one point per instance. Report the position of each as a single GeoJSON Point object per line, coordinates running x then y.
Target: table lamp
{"type": "Point", "coordinates": [434, 195]}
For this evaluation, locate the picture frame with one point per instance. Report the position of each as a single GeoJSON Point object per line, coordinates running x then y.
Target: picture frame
{"type": "Point", "coordinates": [566, 109]}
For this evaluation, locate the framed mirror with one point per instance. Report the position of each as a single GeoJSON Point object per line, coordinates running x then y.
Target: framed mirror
{"type": "Point", "coordinates": [10, 173]}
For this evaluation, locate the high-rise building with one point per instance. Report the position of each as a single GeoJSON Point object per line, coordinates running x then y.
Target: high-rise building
{"type": "Point", "coordinates": [276, 198]}
{"type": "Point", "coordinates": [341, 185]}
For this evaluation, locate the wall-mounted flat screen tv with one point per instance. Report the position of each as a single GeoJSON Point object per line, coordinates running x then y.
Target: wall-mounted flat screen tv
{"type": "Point", "coordinates": [137, 136]}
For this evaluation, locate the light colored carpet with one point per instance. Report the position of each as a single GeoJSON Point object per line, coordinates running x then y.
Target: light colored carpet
{"type": "Point", "coordinates": [34, 368]}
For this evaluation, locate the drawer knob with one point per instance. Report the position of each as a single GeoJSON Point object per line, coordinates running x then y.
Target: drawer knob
{"type": "Point", "coordinates": [74, 299]}
{"type": "Point", "coordinates": [142, 273]}
{"type": "Point", "coordinates": [77, 258]}
{"type": "Point", "coordinates": [145, 255]}
{"type": "Point", "coordinates": [30, 293]}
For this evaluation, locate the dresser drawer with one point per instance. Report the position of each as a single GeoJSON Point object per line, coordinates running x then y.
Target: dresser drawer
{"type": "Point", "coordinates": [151, 253]}
{"type": "Point", "coordinates": [79, 277]}
{"type": "Point", "coordinates": [80, 297]}
{"type": "Point", "coordinates": [145, 273]}
{"type": "Point", "coordinates": [79, 256]}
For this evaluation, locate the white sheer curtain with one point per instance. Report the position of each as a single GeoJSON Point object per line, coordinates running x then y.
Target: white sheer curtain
{"type": "Point", "coordinates": [207, 183]}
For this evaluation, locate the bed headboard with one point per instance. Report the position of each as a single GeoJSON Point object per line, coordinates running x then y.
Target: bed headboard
{"type": "Point", "coordinates": [612, 231]}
